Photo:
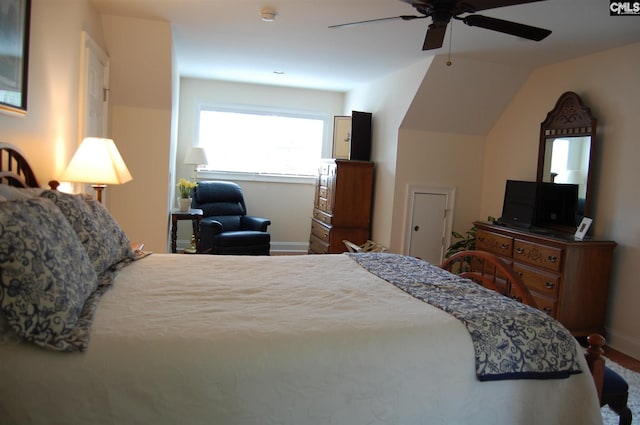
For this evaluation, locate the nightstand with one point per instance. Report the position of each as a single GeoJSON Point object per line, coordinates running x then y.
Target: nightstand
{"type": "Point", "coordinates": [191, 214]}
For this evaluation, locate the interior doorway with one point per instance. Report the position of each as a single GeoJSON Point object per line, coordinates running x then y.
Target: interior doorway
{"type": "Point", "coordinates": [429, 222]}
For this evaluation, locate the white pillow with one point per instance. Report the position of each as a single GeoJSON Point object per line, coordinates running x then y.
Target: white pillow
{"type": "Point", "coordinates": [11, 193]}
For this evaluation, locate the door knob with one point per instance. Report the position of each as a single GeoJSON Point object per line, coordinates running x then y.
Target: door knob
{"type": "Point", "coordinates": [416, 228]}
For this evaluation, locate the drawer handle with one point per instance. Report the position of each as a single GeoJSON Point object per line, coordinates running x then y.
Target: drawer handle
{"type": "Point", "coordinates": [549, 285]}
{"type": "Point", "coordinates": [481, 238]}
{"type": "Point", "coordinates": [547, 310]}
{"type": "Point", "coordinates": [552, 258]}
{"type": "Point", "coordinates": [504, 246]}
{"type": "Point", "coordinates": [520, 250]}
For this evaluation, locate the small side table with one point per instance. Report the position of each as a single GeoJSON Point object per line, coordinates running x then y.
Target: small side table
{"type": "Point", "coordinates": [191, 214]}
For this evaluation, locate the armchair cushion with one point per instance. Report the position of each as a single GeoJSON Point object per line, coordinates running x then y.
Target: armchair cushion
{"type": "Point", "coordinates": [242, 238]}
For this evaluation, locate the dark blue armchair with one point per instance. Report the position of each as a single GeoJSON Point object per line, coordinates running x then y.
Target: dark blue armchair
{"type": "Point", "coordinates": [225, 227]}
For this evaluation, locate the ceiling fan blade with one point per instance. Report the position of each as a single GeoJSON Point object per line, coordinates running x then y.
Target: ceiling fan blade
{"type": "Point", "coordinates": [507, 27]}
{"type": "Point", "coordinates": [464, 6]}
{"type": "Point", "coordinates": [478, 5]}
{"type": "Point", "coordinates": [403, 17]}
{"type": "Point", "coordinates": [435, 36]}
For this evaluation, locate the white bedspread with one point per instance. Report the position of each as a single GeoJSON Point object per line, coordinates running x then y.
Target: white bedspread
{"type": "Point", "coordinates": [299, 340]}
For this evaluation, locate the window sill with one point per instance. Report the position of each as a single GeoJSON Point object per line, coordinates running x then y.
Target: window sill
{"type": "Point", "coordinates": [272, 178]}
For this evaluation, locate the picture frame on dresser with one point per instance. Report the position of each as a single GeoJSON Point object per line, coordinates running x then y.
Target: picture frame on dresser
{"type": "Point", "coordinates": [341, 137]}
{"type": "Point", "coordinates": [15, 16]}
{"type": "Point", "coordinates": [583, 228]}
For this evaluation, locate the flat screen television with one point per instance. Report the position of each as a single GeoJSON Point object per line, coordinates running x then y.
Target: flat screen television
{"type": "Point", "coordinates": [557, 205]}
{"type": "Point", "coordinates": [519, 207]}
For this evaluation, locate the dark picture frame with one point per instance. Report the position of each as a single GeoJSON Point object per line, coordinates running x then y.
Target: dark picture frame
{"type": "Point", "coordinates": [15, 17]}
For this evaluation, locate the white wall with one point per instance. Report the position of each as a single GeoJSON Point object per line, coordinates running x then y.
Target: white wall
{"type": "Point", "coordinates": [288, 205]}
{"type": "Point", "coordinates": [388, 99]}
{"type": "Point", "coordinates": [141, 69]}
{"type": "Point", "coordinates": [442, 141]}
{"type": "Point", "coordinates": [442, 160]}
{"type": "Point", "coordinates": [141, 103]}
{"type": "Point", "coordinates": [48, 133]}
{"type": "Point", "coordinates": [607, 83]}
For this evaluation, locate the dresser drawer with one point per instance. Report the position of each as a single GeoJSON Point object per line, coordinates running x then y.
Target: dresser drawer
{"type": "Point", "coordinates": [492, 242]}
{"type": "Point", "coordinates": [327, 168]}
{"type": "Point", "coordinates": [320, 231]}
{"type": "Point", "coordinates": [323, 204]}
{"type": "Point", "coordinates": [537, 255]}
{"type": "Point", "coordinates": [317, 246]}
{"type": "Point", "coordinates": [535, 280]}
{"type": "Point", "coordinates": [322, 216]}
{"type": "Point", "coordinates": [323, 192]}
{"type": "Point", "coordinates": [548, 305]}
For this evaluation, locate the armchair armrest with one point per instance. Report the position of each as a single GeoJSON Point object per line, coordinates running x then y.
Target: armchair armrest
{"type": "Point", "coordinates": [255, 223]}
{"type": "Point", "coordinates": [211, 226]}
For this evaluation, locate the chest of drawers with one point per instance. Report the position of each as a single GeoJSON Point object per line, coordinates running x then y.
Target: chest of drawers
{"type": "Point", "coordinates": [569, 279]}
{"type": "Point", "coordinates": [342, 205]}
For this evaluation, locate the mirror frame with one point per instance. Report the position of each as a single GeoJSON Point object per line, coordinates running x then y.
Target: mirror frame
{"type": "Point", "coordinates": [570, 117]}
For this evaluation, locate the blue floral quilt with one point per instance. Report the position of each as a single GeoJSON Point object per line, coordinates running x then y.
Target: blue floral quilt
{"type": "Point", "coordinates": [511, 340]}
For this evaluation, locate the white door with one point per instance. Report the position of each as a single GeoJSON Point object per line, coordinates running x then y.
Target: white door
{"type": "Point", "coordinates": [93, 95]}
{"type": "Point", "coordinates": [429, 230]}
{"type": "Point", "coordinates": [94, 89]}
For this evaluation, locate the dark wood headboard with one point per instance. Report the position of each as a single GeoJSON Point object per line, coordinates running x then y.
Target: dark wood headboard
{"type": "Point", "coordinates": [14, 168]}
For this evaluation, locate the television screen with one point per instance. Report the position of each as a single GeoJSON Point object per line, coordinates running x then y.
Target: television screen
{"type": "Point", "coordinates": [557, 205]}
{"type": "Point", "coordinates": [519, 203]}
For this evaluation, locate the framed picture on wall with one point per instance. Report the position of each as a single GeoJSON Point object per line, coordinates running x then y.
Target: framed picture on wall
{"type": "Point", "coordinates": [341, 137]}
{"type": "Point", "coordinates": [14, 55]}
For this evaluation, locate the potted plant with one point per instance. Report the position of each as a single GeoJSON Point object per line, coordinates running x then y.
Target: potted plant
{"type": "Point", "coordinates": [466, 242]}
{"type": "Point", "coordinates": [184, 187]}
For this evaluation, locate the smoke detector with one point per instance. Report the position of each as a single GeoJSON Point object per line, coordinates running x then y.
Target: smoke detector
{"type": "Point", "coordinates": [268, 14]}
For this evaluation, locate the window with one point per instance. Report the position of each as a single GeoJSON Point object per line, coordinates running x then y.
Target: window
{"type": "Point", "coordinates": [559, 160]}
{"type": "Point", "coordinates": [261, 142]}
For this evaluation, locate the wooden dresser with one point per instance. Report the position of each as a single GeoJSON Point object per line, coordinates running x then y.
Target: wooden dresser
{"type": "Point", "coordinates": [569, 279]}
{"type": "Point", "coordinates": [342, 205]}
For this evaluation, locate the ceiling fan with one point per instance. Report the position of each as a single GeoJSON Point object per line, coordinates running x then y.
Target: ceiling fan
{"type": "Point", "coordinates": [442, 11]}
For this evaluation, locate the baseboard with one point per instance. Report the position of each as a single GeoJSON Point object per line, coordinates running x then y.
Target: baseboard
{"type": "Point", "coordinates": [277, 248]}
{"type": "Point", "coordinates": [623, 343]}
{"type": "Point", "coordinates": [289, 248]}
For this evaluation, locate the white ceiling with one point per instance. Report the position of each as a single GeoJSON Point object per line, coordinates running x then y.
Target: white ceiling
{"type": "Point", "coordinates": [226, 39]}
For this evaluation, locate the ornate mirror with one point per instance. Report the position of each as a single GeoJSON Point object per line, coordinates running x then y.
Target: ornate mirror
{"type": "Point", "coordinates": [567, 140]}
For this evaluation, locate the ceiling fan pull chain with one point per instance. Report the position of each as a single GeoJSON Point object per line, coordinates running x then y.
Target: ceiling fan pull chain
{"type": "Point", "coordinates": [449, 63]}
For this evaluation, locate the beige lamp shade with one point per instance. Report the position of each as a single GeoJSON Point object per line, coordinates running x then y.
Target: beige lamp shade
{"type": "Point", "coordinates": [97, 160]}
{"type": "Point", "coordinates": [196, 156]}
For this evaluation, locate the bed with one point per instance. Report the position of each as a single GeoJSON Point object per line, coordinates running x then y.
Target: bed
{"type": "Point", "coordinates": [311, 339]}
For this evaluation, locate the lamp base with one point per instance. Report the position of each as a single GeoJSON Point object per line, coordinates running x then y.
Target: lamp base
{"type": "Point", "coordinates": [99, 188]}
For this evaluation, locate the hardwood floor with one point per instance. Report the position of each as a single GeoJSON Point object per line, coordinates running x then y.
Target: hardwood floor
{"type": "Point", "coordinates": [622, 359]}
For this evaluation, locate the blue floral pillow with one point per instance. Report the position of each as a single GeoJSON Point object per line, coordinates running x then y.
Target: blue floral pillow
{"type": "Point", "coordinates": [46, 275]}
{"type": "Point", "coordinates": [100, 235]}
{"type": "Point", "coordinates": [113, 237]}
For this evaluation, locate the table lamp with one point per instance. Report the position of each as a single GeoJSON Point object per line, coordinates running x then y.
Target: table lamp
{"type": "Point", "coordinates": [196, 156]}
{"type": "Point", "coordinates": [97, 161]}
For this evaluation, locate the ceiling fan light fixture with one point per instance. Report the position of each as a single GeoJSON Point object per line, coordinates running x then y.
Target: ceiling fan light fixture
{"type": "Point", "coordinates": [268, 15]}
